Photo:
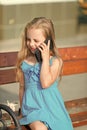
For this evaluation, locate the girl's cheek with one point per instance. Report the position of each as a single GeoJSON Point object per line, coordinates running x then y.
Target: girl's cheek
{"type": "Point", "coordinates": [38, 44]}
{"type": "Point", "coordinates": [28, 45]}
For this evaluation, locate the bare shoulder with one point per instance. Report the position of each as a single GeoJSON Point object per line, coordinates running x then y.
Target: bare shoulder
{"type": "Point", "coordinates": [57, 61]}
{"type": "Point", "coordinates": [56, 67]}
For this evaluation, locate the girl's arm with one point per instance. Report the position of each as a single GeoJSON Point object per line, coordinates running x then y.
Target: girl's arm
{"type": "Point", "coordinates": [50, 73]}
{"type": "Point", "coordinates": [21, 89]}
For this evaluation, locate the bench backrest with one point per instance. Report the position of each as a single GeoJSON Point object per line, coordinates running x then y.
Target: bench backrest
{"type": "Point", "coordinates": [75, 62]}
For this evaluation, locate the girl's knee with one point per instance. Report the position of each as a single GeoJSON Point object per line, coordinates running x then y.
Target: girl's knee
{"type": "Point", "coordinates": [38, 126]}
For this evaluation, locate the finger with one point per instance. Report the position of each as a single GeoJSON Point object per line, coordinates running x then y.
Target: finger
{"type": "Point", "coordinates": [40, 48]}
{"type": "Point", "coordinates": [48, 44]}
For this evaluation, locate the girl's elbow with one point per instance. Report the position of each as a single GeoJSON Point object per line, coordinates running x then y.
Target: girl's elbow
{"type": "Point", "coordinates": [45, 85]}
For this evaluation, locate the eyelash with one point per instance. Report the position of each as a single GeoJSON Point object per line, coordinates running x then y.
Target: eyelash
{"type": "Point", "coordinates": [28, 40]}
{"type": "Point", "coordinates": [36, 41]}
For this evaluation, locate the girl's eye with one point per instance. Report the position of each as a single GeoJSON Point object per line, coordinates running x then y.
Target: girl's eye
{"type": "Point", "coordinates": [36, 41]}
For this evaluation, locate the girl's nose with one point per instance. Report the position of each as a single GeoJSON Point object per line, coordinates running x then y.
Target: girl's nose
{"type": "Point", "coordinates": [32, 43]}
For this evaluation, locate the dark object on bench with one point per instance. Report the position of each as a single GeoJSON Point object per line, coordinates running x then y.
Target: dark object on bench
{"type": "Point", "coordinates": [82, 12]}
{"type": "Point", "coordinates": [13, 117]}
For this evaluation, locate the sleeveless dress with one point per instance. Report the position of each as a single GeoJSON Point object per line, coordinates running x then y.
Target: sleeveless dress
{"type": "Point", "coordinates": [45, 105]}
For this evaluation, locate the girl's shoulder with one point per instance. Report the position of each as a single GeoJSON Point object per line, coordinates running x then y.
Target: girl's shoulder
{"type": "Point", "coordinates": [57, 65]}
{"type": "Point", "coordinates": [56, 60]}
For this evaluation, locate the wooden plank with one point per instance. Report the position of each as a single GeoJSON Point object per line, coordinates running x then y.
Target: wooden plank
{"type": "Point", "coordinates": [7, 76]}
{"type": "Point", "coordinates": [73, 53]}
{"type": "Point", "coordinates": [23, 128]}
{"type": "Point", "coordinates": [76, 102]}
{"type": "Point", "coordinates": [77, 107]}
{"type": "Point", "coordinates": [70, 53]}
{"type": "Point", "coordinates": [14, 128]}
{"type": "Point", "coordinates": [79, 119]}
{"type": "Point", "coordinates": [75, 67]}
{"type": "Point", "coordinates": [70, 67]}
{"type": "Point", "coordinates": [78, 111]}
{"type": "Point", "coordinates": [8, 59]}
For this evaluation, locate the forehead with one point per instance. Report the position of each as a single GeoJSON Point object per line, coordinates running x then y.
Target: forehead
{"type": "Point", "coordinates": [35, 31]}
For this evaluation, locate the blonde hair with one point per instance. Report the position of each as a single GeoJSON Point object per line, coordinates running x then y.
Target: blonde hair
{"type": "Point", "coordinates": [48, 30]}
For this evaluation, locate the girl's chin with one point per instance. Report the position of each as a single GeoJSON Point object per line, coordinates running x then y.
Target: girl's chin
{"type": "Point", "coordinates": [33, 51]}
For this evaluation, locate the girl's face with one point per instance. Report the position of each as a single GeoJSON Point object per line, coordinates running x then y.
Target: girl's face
{"type": "Point", "coordinates": [34, 38]}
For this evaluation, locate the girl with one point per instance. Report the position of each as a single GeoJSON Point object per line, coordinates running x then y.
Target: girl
{"type": "Point", "coordinates": [42, 107]}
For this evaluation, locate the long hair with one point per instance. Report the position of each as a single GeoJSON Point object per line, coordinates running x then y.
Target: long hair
{"type": "Point", "coordinates": [47, 28]}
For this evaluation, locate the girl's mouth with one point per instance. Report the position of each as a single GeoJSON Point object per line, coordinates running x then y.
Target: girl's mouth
{"type": "Point", "coordinates": [33, 50]}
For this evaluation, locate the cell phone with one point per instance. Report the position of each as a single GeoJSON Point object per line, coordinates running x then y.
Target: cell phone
{"type": "Point", "coordinates": [38, 53]}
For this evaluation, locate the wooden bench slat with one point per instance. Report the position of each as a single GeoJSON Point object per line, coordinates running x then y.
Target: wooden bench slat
{"type": "Point", "coordinates": [8, 59]}
{"type": "Point", "coordinates": [79, 119]}
{"type": "Point", "coordinates": [70, 67]}
{"type": "Point", "coordinates": [75, 67]}
{"type": "Point", "coordinates": [76, 102]}
{"type": "Point", "coordinates": [80, 122]}
{"type": "Point", "coordinates": [70, 53]}
{"type": "Point", "coordinates": [73, 53]}
{"type": "Point", "coordinates": [7, 76]}
{"type": "Point", "coordinates": [78, 111]}
{"type": "Point", "coordinates": [79, 116]}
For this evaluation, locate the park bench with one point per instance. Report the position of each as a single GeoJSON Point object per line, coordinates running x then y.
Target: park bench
{"type": "Point", "coordinates": [75, 62]}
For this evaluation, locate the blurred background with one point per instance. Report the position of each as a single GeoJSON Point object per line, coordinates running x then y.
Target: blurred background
{"type": "Point", "coordinates": [64, 14]}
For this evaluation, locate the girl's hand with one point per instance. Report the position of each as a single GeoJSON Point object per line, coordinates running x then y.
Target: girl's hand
{"type": "Point", "coordinates": [19, 117]}
{"type": "Point", "coordinates": [45, 51]}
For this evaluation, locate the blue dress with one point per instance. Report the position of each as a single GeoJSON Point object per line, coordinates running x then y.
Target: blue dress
{"type": "Point", "coordinates": [45, 105]}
